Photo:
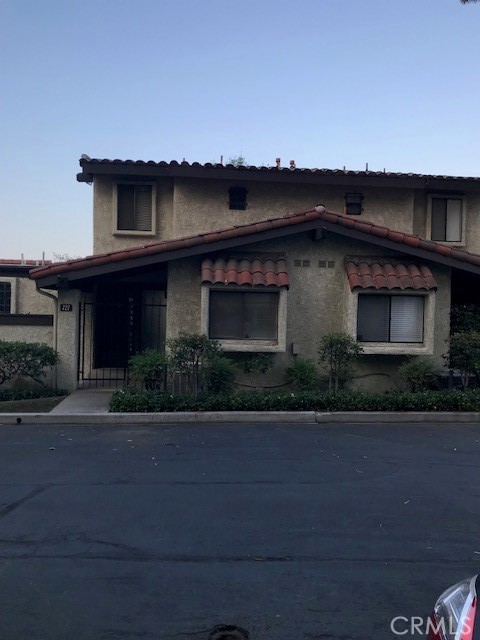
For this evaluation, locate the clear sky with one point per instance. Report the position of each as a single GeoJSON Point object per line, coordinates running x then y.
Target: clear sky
{"type": "Point", "coordinates": [328, 83]}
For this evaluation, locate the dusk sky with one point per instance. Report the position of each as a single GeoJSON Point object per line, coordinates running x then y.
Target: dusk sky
{"type": "Point", "coordinates": [326, 83]}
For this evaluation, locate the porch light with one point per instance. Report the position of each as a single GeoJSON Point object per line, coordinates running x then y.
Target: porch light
{"type": "Point", "coordinates": [353, 204]}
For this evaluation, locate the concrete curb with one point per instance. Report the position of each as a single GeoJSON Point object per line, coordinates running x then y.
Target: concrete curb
{"type": "Point", "coordinates": [227, 417]}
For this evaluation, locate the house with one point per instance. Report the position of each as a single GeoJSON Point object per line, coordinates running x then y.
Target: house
{"type": "Point", "coordinates": [247, 255]}
{"type": "Point", "coordinates": [26, 315]}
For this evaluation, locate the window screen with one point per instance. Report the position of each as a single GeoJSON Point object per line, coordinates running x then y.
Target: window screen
{"type": "Point", "coordinates": [446, 219]}
{"type": "Point", "coordinates": [134, 207]}
{"type": "Point", "coordinates": [390, 318]}
{"type": "Point", "coordinates": [236, 315]}
{"type": "Point", "coordinates": [5, 297]}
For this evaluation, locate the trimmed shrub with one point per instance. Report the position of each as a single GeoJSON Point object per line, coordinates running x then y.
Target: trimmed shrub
{"type": "Point", "coordinates": [220, 376]}
{"type": "Point", "coordinates": [418, 373]}
{"type": "Point", "coordinates": [30, 394]}
{"type": "Point", "coordinates": [25, 360]}
{"type": "Point", "coordinates": [337, 352]}
{"type": "Point", "coordinates": [148, 368]}
{"type": "Point", "coordinates": [464, 318]}
{"type": "Point", "coordinates": [303, 373]}
{"type": "Point", "coordinates": [129, 400]}
{"type": "Point", "coordinates": [464, 354]}
{"type": "Point", "coordinates": [190, 355]}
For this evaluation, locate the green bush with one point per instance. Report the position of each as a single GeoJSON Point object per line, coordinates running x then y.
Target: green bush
{"type": "Point", "coordinates": [338, 352]}
{"type": "Point", "coordinates": [25, 360]}
{"type": "Point", "coordinates": [130, 400]}
{"type": "Point", "coordinates": [30, 394]}
{"type": "Point", "coordinates": [255, 363]}
{"type": "Point", "coordinates": [190, 355]}
{"type": "Point", "coordinates": [148, 368]}
{"type": "Point", "coordinates": [464, 354]}
{"type": "Point", "coordinates": [303, 373]}
{"type": "Point", "coordinates": [464, 317]}
{"type": "Point", "coordinates": [418, 373]}
{"type": "Point", "coordinates": [220, 376]}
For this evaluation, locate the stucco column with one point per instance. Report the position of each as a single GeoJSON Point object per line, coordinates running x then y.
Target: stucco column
{"type": "Point", "coordinates": [68, 326]}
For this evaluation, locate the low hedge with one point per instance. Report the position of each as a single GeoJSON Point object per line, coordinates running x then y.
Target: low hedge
{"type": "Point", "coordinates": [30, 394]}
{"type": "Point", "coordinates": [131, 400]}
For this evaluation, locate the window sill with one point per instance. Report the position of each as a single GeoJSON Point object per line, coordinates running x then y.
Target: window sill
{"type": "Point", "coordinates": [132, 232]}
{"type": "Point", "coordinates": [249, 346]}
{"type": "Point", "coordinates": [396, 348]}
{"type": "Point", "coordinates": [459, 244]}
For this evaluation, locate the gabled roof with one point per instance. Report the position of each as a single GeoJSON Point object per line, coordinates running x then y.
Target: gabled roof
{"type": "Point", "coordinates": [98, 166]}
{"type": "Point", "coordinates": [203, 243]}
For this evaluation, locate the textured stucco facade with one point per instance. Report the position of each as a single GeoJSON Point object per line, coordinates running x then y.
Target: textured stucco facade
{"type": "Point", "coordinates": [186, 206]}
{"type": "Point", "coordinates": [319, 299]}
{"type": "Point", "coordinates": [318, 302]}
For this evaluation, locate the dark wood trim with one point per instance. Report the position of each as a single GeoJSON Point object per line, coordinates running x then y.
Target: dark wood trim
{"type": "Point", "coordinates": [16, 271]}
{"type": "Point", "coordinates": [26, 319]}
{"type": "Point", "coordinates": [90, 169]}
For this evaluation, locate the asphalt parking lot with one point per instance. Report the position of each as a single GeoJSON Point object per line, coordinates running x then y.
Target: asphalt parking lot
{"type": "Point", "coordinates": [290, 532]}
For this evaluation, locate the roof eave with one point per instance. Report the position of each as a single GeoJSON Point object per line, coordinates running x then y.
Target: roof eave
{"type": "Point", "coordinates": [266, 174]}
{"type": "Point", "coordinates": [127, 264]}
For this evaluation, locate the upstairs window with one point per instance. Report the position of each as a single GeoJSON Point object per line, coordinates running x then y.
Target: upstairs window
{"type": "Point", "coordinates": [134, 207]}
{"type": "Point", "coordinates": [446, 219]}
{"type": "Point", "coordinates": [383, 318]}
{"type": "Point", "coordinates": [237, 198]}
{"type": "Point", "coordinates": [240, 315]}
{"type": "Point", "coordinates": [5, 297]}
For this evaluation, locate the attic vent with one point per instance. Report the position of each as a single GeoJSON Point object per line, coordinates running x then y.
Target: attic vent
{"type": "Point", "coordinates": [353, 204]}
{"type": "Point", "coordinates": [297, 263]}
{"type": "Point", "coordinates": [322, 264]}
{"type": "Point", "coordinates": [237, 198]}
{"type": "Point", "coordinates": [305, 263]}
{"type": "Point", "coordinates": [331, 264]}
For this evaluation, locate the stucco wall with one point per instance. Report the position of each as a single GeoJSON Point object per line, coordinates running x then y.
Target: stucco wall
{"type": "Point", "coordinates": [105, 238]}
{"type": "Point", "coordinates": [201, 205]}
{"type": "Point", "coordinates": [316, 304]}
{"type": "Point", "coordinates": [25, 297]}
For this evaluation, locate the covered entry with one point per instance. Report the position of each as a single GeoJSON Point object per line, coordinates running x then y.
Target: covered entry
{"type": "Point", "coordinates": [119, 321]}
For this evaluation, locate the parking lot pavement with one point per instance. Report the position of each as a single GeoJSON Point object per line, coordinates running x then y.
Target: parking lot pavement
{"type": "Point", "coordinates": [290, 532]}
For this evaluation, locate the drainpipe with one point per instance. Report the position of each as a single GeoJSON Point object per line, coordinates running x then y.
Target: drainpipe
{"type": "Point", "coordinates": [55, 342]}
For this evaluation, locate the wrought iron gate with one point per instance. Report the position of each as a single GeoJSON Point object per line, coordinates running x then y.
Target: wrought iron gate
{"type": "Point", "coordinates": [110, 333]}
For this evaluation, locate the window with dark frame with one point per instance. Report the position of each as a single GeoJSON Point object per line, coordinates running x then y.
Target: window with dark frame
{"type": "Point", "coordinates": [5, 297]}
{"type": "Point", "coordinates": [446, 219]}
{"type": "Point", "coordinates": [237, 198]}
{"type": "Point", "coordinates": [243, 315]}
{"type": "Point", "coordinates": [134, 207]}
{"type": "Point", "coordinates": [382, 318]}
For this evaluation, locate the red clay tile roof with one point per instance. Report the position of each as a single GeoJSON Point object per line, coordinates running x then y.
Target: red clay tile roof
{"type": "Point", "coordinates": [86, 163]}
{"type": "Point", "coordinates": [318, 217]}
{"type": "Point", "coordinates": [384, 273]}
{"type": "Point", "coordinates": [254, 271]}
{"type": "Point", "coordinates": [26, 263]}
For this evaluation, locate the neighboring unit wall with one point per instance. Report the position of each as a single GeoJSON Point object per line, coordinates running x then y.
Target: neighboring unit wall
{"type": "Point", "coordinates": [38, 313]}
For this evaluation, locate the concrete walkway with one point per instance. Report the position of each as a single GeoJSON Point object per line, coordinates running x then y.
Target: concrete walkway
{"type": "Point", "coordinates": [84, 401]}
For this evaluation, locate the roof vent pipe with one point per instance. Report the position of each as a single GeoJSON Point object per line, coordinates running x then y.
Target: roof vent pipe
{"type": "Point", "coordinates": [292, 164]}
{"type": "Point", "coordinates": [277, 162]}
